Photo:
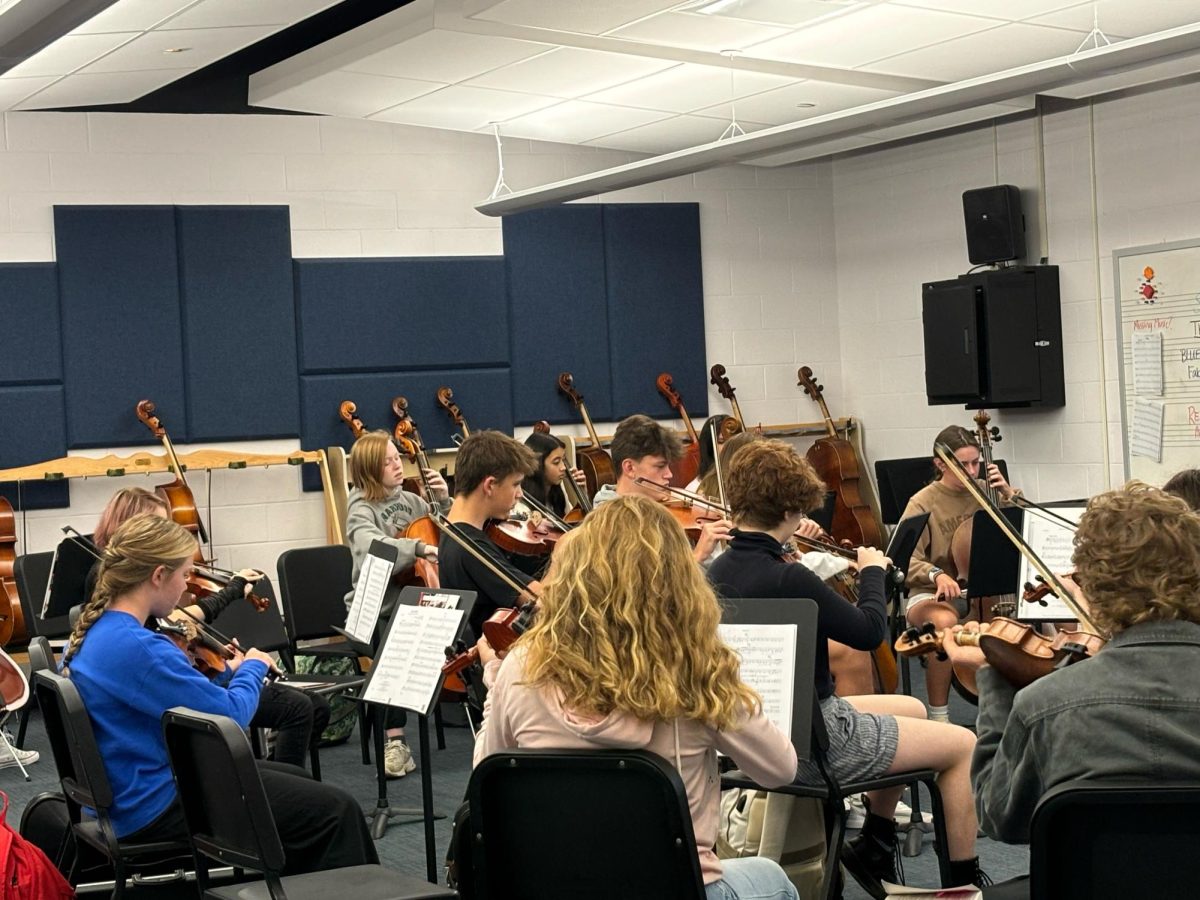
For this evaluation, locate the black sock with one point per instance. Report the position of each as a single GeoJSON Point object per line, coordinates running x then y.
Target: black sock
{"type": "Point", "coordinates": [963, 871]}
{"type": "Point", "coordinates": [881, 829]}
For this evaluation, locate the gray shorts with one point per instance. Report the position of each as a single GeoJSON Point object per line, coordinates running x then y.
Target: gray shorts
{"type": "Point", "coordinates": [861, 745]}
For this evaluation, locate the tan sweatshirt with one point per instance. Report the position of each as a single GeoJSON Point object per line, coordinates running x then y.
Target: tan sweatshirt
{"type": "Point", "coordinates": [517, 715]}
{"type": "Point", "coordinates": [947, 510]}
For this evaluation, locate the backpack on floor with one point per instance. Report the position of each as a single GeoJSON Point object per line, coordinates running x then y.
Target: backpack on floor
{"type": "Point", "coordinates": [343, 713]}
{"type": "Point", "coordinates": [28, 874]}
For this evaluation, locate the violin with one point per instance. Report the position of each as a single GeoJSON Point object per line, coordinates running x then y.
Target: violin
{"type": "Point", "coordinates": [177, 493]}
{"type": "Point", "coordinates": [214, 580]}
{"type": "Point", "coordinates": [12, 618]}
{"type": "Point", "coordinates": [834, 459]}
{"type": "Point", "coordinates": [595, 462]}
{"type": "Point", "coordinates": [1015, 650]}
{"type": "Point", "coordinates": [501, 629]}
{"type": "Point", "coordinates": [689, 509]}
{"type": "Point", "coordinates": [684, 469]}
{"type": "Point", "coordinates": [445, 399]}
{"type": "Point", "coordinates": [208, 656]}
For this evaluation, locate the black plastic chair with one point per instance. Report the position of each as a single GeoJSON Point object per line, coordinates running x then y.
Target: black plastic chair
{"type": "Point", "coordinates": [31, 572]}
{"type": "Point", "coordinates": [1115, 840]}
{"type": "Point", "coordinates": [214, 773]}
{"type": "Point", "coordinates": [313, 583]}
{"type": "Point", "coordinates": [266, 631]}
{"type": "Point", "coordinates": [584, 824]}
{"type": "Point", "coordinates": [41, 659]}
{"type": "Point", "coordinates": [85, 784]}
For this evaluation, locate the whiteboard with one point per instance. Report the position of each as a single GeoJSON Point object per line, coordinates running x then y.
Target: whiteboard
{"type": "Point", "coordinates": [1157, 290]}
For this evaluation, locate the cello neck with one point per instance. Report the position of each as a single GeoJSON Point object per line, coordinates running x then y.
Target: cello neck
{"type": "Point", "coordinates": [591, 429]}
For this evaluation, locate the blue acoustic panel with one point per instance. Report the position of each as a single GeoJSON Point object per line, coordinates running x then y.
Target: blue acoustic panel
{"type": "Point", "coordinates": [118, 280]}
{"type": "Point", "coordinates": [235, 279]}
{"type": "Point", "coordinates": [655, 304]}
{"type": "Point", "coordinates": [483, 395]}
{"type": "Point", "coordinates": [375, 315]}
{"type": "Point", "coordinates": [34, 431]}
{"type": "Point", "coordinates": [29, 311]}
{"type": "Point", "coordinates": [555, 267]}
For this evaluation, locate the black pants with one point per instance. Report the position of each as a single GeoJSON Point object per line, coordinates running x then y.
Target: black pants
{"type": "Point", "coordinates": [298, 718]}
{"type": "Point", "coordinates": [320, 826]}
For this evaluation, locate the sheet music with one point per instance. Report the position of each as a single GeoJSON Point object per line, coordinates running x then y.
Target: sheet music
{"type": "Point", "coordinates": [408, 669]}
{"type": "Point", "coordinates": [1146, 430]}
{"type": "Point", "coordinates": [1148, 363]}
{"type": "Point", "coordinates": [768, 654]}
{"type": "Point", "coordinates": [372, 584]}
{"type": "Point", "coordinates": [1054, 543]}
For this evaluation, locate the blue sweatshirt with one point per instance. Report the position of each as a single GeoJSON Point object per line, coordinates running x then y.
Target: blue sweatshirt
{"type": "Point", "coordinates": [128, 677]}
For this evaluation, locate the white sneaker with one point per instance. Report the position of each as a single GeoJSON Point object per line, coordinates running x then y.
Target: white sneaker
{"type": "Point", "coordinates": [25, 757]}
{"type": "Point", "coordinates": [397, 758]}
{"type": "Point", "coordinates": [857, 811]}
{"type": "Point", "coordinates": [903, 812]}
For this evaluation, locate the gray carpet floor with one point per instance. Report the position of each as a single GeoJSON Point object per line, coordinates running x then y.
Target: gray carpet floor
{"type": "Point", "coordinates": [403, 845]}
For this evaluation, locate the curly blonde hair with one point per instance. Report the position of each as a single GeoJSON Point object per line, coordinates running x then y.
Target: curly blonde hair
{"type": "Point", "coordinates": [1137, 558]}
{"type": "Point", "coordinates": [627, 622]}
{"type": "Point", "coordinates": [138, 547]}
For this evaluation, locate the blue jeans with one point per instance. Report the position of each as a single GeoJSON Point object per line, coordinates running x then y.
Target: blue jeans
{"type": "Point", "coordinates": [751, 878]}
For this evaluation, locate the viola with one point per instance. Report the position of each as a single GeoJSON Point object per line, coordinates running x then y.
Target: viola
{"type": "Point", "coordinates": [684, 469]}
{"type": "Point", "coordinates": [1016, 650]}
{"type": "Point", "coordinates": [595, 462]}
{"type": "Point", "coordinates": [12, 619]}
{"type": "Point", "coordinates": [177, 493]}
{"type": "Point", "coordinates": [835, 461]}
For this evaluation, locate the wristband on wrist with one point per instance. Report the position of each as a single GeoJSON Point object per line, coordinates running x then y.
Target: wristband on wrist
{"type": "Point", "coordinates": [934, 573]}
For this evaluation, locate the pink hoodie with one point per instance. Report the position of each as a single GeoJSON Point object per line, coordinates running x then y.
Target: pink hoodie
{"type": "Point", "coordinates": [519, 716]}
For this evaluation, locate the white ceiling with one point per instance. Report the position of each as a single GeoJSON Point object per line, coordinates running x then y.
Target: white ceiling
{"type": "Point", "coordinates": [641, 75]}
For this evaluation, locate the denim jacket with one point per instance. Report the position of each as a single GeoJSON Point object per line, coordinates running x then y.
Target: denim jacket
{"type": "Point", "coordinates": [1131, 711]}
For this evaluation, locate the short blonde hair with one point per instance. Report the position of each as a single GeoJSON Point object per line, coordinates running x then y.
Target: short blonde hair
{"type": "Point", "coordinates": [627, 622]}
{"type": "Point", "coordinates": [1137, 557]}
{"type": "Point", "coordinates": [366, 464]}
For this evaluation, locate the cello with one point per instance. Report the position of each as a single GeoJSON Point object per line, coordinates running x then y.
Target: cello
{"type": "Point", "coordinates": [595, 462]}
{"type": "Point", "coordinates": [177, 493]}
{"type": "Point", "coordinates": [408, 441]}
{"type": "Point", "coordinates": [445, 399]}
{"type": "Point", "coordinates": [348, 412]}
{"type": "Point", "coordinates": [720, 380]}
{"type": "Point", "coordinates": [835, 461]}
{"type": "Point", "coordinates": [684, 469]}
{"type": "Point", "coordinates": [12, 619]}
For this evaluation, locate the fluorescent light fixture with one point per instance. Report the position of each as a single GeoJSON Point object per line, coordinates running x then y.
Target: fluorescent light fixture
{"type": "Point", "coordinates": [997, 87]}
{"type": "Point", "coordinates": [715, 6]}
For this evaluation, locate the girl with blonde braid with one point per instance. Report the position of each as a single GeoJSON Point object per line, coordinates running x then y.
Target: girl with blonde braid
{"type": "Point", "coordinates": [624, 653]}
{"type": "Point", "coordinates": [128, 676]}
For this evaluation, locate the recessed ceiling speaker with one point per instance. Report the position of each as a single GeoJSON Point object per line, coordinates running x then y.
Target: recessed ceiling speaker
{"type": "Point", "coordinates": [995, 224]}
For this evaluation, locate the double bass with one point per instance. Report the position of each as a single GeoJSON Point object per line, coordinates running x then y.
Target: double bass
{"type": "Point", "coordinates": [684, 469]}
{"type": "Point", "coordinates": [595, 462]}
{"type": "Point", "coordinates": [836, 462]}
{"type": "Point", "coordinates": [12, 619]}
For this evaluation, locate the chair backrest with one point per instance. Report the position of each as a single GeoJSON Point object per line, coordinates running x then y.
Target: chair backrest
{"type": "Point", "coordinates": [41, 656]}
{"type": "Point", "coordinates": [1115, 840]}
{"type": "Point", "coordinates": [73, 743]}
{"type": "Point", "coordinates": [313, 583]}
{"type": "Point", "coordinates": [581, 824]}
{"type": "Point", "coordinates": [264, 630]}
{"type": "Point", "coordinates": [31, 571]}
{"type": "Point", "coordinates": [215, 774]}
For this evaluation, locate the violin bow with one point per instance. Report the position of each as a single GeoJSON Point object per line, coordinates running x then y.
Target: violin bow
{"type": "Point", "coordinates": [448, 528]}
{"type": "Point", "coordinates": [550, 515]}
{"type": "Point", "coordinates": [712, 433]}
{"type": "Point", "coordinates": [951, 461]}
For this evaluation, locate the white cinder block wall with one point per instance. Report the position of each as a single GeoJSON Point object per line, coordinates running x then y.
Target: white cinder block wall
{"type": "Point", "coordinates": [374, 189]}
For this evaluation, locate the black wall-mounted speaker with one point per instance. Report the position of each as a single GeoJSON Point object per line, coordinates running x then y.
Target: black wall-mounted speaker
{"type": "Point", "coordinates": [995, 224]}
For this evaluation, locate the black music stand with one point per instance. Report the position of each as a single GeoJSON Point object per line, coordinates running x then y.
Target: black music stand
{"type": "Point", "coordinates": [900, 550]}
{"type": "Point", "coordinates": [415, 596]}
{"type": "Point", "coordinates": [68, 577]}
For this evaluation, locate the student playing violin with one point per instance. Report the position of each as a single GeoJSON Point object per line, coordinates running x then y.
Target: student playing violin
{"type": "Point", "coordinates": [641, 448]}
{"type": "Point", "coordinates": [624, 653]}
{"type": "Point", "coordinates": [128, 676]}
{"type": "Point", "coordinates": [379, 509]}
{"type": "Point", "coordinates": [488, 472]}
{"type": "Point", "coordinates": [932, 575]}
{"type": "Point", "coordinates": [547, 485]}
{"type": "Point", "coordinates": [297, 717]}
{"type": "Point", "coordinates": [769, 488]}
{"type": "Point", "coordinates": [1132, 711]}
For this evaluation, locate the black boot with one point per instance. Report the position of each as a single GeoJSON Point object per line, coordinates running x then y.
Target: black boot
{"type": "Point", "coordinates": [967, 871]}
{"type": "Point", "coordinates": [870, 857]}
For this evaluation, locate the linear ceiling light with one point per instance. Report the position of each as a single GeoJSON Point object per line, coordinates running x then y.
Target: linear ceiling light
{"type": "Point", "coordinates": [997, 87]}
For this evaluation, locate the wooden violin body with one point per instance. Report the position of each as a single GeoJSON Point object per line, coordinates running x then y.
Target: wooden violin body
{"type": "Point", "coordinates": [835, 461]}
{"type": "Point", "coordinates": [12, 619]}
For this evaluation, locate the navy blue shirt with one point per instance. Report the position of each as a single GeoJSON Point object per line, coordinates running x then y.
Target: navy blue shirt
{"type": "Point", "coordinates": [754, 566]}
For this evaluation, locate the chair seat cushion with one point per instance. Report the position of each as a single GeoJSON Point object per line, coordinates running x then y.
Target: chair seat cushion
{"type": "Point", "coordinates": [358, 882]}
{"type": "Point", "coordinates": [89, 831]}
